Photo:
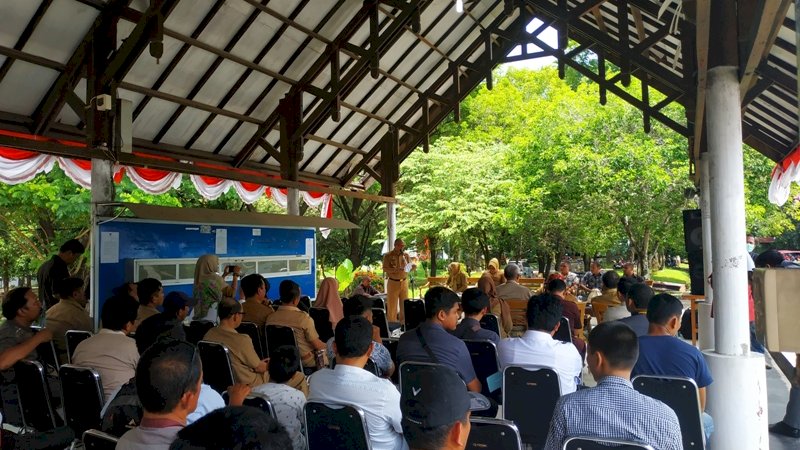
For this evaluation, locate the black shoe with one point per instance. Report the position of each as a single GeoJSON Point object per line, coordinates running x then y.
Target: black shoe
{"type": "Point", "coordinates": [784, 429]}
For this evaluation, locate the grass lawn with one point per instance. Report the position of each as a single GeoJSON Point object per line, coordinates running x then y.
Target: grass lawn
{"type": "Point", "coordinates": [673, 275]}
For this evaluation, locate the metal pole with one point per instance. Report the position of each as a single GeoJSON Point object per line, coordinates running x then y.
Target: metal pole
{"type": "Point", "coordinates": [705, 322]}
{"type": "Point", "coordinates": [293, 201]}
{"type": "Point", "coordinates": [391, 224]}
{"type": "Point", "coordinates": [102, 192]}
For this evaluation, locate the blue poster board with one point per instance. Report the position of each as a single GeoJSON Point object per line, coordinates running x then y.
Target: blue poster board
{"type": "Point", "coordinates": [133, 249]}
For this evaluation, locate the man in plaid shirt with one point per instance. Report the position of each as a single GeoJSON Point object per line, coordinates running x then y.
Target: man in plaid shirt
{"type": "Point", "coordinates": [613, 409]}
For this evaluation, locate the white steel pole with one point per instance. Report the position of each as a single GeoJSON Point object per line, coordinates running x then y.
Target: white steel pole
{"type": "Point", "coordinates": [705, 322]}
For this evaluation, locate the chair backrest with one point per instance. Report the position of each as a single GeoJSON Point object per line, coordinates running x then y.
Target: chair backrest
{"type": "Point", "coordinates": [491, 322]}
{"type": "Point", "coordinates": [564, 333]}
{"type": "Point", "coordinates": [34, 396]}
{"type": "Point", "coordinates": [495, 434]}
{"type": "Point", "coordinates": [47, 354]}
{"type": "Point", "coordinates": [379, 302]}
{"type": "Point", "coordinates": [256, 400]}
{"type": "Point", "coordinates": [336, 427]}
{"type": "Point", "coordinates": [414, 313]}
{"type": "Point", "coordinates": [322, 323]}
{"type": "Point", "coordinates": [197, 329]}
{"type": "Point", "coordinates": [278, 336]}
{"type": "Point", "coordinates": [680, 394]}
{"type": "Point", "coordinates": [593, 443]}
{"type": "Point", "coordinates": [391, 345]}
{"type": "Point", "coordinates": [251, 329]}
{"type": "Point", "coordinates": [486, 365]}
{"type": "Point", "coordinates": [82, 397]}
{"type": "Point", "coordinates": [519, 310]}
{"type": "Point", "coordinates": [72, 338]}
{"type": "Point", "coordinates": [380, 321]}
{"type": "Point", "coordinates": [217, 371]}
{"type": "Point", "coordinates": [97, 440]}
{"type": "Point", "coordinates": [529, 399]}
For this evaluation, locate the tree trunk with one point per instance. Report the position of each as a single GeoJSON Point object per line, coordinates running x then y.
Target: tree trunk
{"type": "Point", "coordinates": [355, 246]}
{"type": "Point", "coordinates": [586, 262]}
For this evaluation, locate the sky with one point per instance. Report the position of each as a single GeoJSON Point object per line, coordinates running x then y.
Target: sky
{"type": "Point", "coordinates": [549, 36]}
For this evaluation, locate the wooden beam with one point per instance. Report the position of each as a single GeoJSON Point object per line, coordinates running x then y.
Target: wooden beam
{"type": "Point", "coordinates": [322, 140]}
{"type": "Point", "coordinates": [702, 27]}
{"type": "Point", "coordinates": [14, 54]}
{"type": "Point", "coordinates": [759, 40]}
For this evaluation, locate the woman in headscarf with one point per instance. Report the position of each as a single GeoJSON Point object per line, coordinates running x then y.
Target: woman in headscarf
{"type": "Point", "coordinates": [493, 269]}
{"type": "Point", "coordinates": [328, 298]}
{"type": "Point", "coordinates": [498, 306]}
{"type": "Point", "coordinates": [208, 285]}
{"type": "Point", "coordinates": [456, 279]}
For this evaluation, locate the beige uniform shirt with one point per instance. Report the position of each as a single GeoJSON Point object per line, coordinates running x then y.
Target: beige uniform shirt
{"type": "Point", "coordinates": [394, 264]}
{"type": "Point", "coordinates": [303, 326]}
{"type": "Point", "coordinates": [112, 354]}
{"type": "Point", "coordinates": [243, 355]}
{"type": "Point", "coordinates": [65, 315]}
{"type": "Point", "coordinates": [256, 312]}
{"type": "Point", "coordinates": [511, 290]}
{"type": "Point", "coordinates": [609, 297]}
{"type": "Point", "coordinates": [144, 313]}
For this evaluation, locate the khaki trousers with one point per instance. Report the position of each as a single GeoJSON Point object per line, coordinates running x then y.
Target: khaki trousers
{"type": "Point", "coordinates": [396, 293]}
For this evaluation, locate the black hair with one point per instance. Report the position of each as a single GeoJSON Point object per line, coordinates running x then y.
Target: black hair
{"type": "Point", "coordinates": [14, 301]}
{"type": "Point", "coordinates": [439, 298]}
{"type": "Point", "coordinates": [640, 294]}
{"type": "Point", "coordinates": [125, 289]}
{"type": "Point", "coordinates": [617, 342]}
{"type": "Point", "coordinates": [624, 285]}
{"type": "Point", "coordinates": [356, 305]}
{"type": "Point", "coordinates": [166, 371]}
{"type": "Point", "coordinates": [353, 336]}
{"type": "Point", "coordinates": [68, 286]}
{"type": "Point", "coordinates": [283, 364]}
{"type": "Point", "coordinates": [556, 285]}
{"type": "Point", "coordinates": [227, 308]}
{"type": "Point", "coordinates": [118, 311]}
{"type": "Point", "coordinates": [233, 428]}
{"type": "Point", "coordinates": [421, 438]}
{"type": "Point", "coordinates": [610, 279]}
{"type": "Point", "coordinates": [544, 312]}
{"type": "Point", "coordinates": [251, 283]}
{"type": "Point", "coordinates": [771, 258]}
{"type": "Point", "coordinates": [72, 245]}
{"type": "Point", "coordinates": [473, 301]}
{"type": "Point", "coordinates": [662, 308]}
{"type": "Point", "coordinates": [288, 290]}
{"type": "Point", "coordinates": [146, 289]}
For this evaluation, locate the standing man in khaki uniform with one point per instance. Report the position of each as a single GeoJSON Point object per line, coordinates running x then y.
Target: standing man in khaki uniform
{"type": "Point", "coordinates": [394, 269]}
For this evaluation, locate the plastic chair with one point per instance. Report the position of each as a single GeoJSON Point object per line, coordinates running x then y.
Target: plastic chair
{"type": "Point", "coordinates": [97, 440]}
{"type": "Point", "coordinates": [82, 393]}
{"type": "Point", "coordinates": [495, 434]}
{"type": "Point", "coordinates": [680, 394]}
{"type": "Point", "coordinates": [322, 323]}
{"type": "Point", "coordinates": [34, 396]}
{"type": "Point", "coordinates": [256, 400]}
{"type": "Point", "coordinates": [379, 302]}
{"type": "Point", "coordinates": [217, 371]}
{"type": "Point", "coordinates": [414, 313]}
{"type": "Point", "coordinates": [72, 339]}
{"type": "Point", "coordinates": [196, 330]}
{"type": "Point", "coordinates": [379, 320]}
{"type": "Point", "coordinates": [529, 399]}
{"type": "Point", "coordinates": [391, 345]}
{"type": "Point", "coordinates": [491, 322]}
{"type": "Point", "coordinates": [251, 329]}
{"type": "Point", "coordinates": [278, 336]}
{"type": "Point", "coordinates": [335, 427]}
{"type": "Point", "coordinates": [564, 333]}
{"type": "Point", "coordinates": [592, 443]}
{"type": "Point", "coordinates": [47, 355]}
{"type": "Point", "coordinates": [486, 364]}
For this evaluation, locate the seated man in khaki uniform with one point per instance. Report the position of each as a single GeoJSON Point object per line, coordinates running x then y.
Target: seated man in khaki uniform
{"type": "Point", "coordinates": [289, 315]}
{"type": "Point", "coordinates": [247, 367]}
{"type": "Point", "coordinates": [511, 289]}
{"type": "Point", "coordinates": [68, 314]}
{"type": "Point", "coordinates": [256, 306]}
{"type": "Point", "coordinates": [609, 296]}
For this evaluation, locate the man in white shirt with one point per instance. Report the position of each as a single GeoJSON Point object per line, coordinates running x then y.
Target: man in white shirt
{"type": "Point", "coordinates": [537, 349]}
{"type": "Point", "coordinates": [511, 289]}
{"type": "Point", "coordinates": [349, 383]}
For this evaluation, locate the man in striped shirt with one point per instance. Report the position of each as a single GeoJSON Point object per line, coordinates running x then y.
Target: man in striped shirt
{"type": "Point", "coordinates": [613, 409]}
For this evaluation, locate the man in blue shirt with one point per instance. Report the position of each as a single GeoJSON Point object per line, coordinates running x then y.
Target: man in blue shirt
{"type": "Point", "coordinates": [661, 353]}
{"type": "Point", "coordinates": [639, 296]}
{"type": "Point", "coordinates": [475, 305]}
{"type": "Point", "coordinates": [431, 342]}
{"type": "Point", "coordinates": [613, 409]}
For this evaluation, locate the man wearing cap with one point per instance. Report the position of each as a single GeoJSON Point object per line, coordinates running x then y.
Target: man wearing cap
{"type": "Point", "coordinates": [475, 304]}
{"type": "Point", "coordinates": [169, 323]}
{"type": "Point", "coordinates": [436, 409]}
{"type": "Point", "coordinates": [247, 367]}
{"type": "Point", "coordinates": [349, 383]}
{"type": "Point", "coordinates": [256, 306]}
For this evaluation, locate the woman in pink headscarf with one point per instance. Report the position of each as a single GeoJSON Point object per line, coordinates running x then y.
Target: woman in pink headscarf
{"type": "Point", "coordinates": [328, 298]}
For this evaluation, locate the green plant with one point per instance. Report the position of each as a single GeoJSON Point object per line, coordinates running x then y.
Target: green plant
{"type": "Point", "coordinates": [344, 274]}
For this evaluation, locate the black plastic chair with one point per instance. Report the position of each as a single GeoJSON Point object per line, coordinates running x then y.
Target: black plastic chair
{"type": "Point", "coordinates": [196, 330]}
{"type": "Point", "coordinates": [486, 364]}
{"type": "Point", "coordinates": [564, 333]}
{"type": "Point", "coordinates": [47, 355]}
{"type": "Point", "coordinates": [337, 427]}
{"type": "Point", "coordinates": [256, 400]}
{"type": "Point", "coordinates": [379, 320]}
{"type": "Point", "coordinates": [34, 397]}
{"type": "Point", "coordinates": [97, 440]}
{"type": "Point", "coordinates": [278, 336]}
{"type": "Point", "coordinates": [529, 399]}
{"type": "Point", "coordinates": [322, 323]}
{"type": "Point", "coordinates": [251, 329]}
{"type": "Point", "coordinates": [490, 322]}
{"type": "Point", "coordinates": [379, 302]}
{"type": "Point", "coordinates": [414, 313]}
{"type": "Point", "coordinates": [217, 371]}
{"type": "Point", "coordinates": [391, 345]}
{"type": "Point", "coordinates": [82, 396]}
{"type": "Point", "coordinates": [72, 338]}
{"type": "Point", "coordinates": [592, 443]}
{"type": "Point", "coordinates": [680, 394]}
{"type": "Point", "coordinates": [495, 434]}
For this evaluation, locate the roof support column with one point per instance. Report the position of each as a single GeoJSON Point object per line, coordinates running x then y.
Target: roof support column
{"type": "Point", "coordinates": [290, 111]}
{"type": "Point", "coordinates": [705, 321]}
{"type": "Point", "coordinates": [389, 175]}
{"type": "Point", "coordinates": [737, 397]}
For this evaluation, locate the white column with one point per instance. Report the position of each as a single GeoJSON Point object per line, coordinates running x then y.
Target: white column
{"type": "Point", "coordinates": [293, 202]}
{"type": "Point", "coordinates": [705, 321]}
{"type": "Point", "coordinates": [391, 224]}
{"type": "Point", "coordinates": [737, 398]}
{"type": "Point", "coordinates": [102, 194]}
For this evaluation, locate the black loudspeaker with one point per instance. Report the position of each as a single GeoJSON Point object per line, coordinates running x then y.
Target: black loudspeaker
{"type": "Point", "coordinates": [693, 241]}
